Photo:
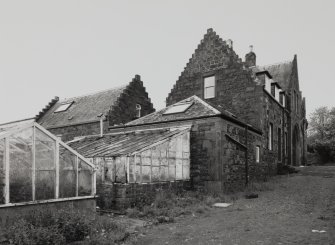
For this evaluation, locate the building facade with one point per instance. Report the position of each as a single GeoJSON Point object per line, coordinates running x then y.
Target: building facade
{"type": "Point", "coordinates": [267, 97]}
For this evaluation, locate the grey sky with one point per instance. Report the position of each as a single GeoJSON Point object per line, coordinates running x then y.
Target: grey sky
{"type": "Point", "coordinates": [68, 48]}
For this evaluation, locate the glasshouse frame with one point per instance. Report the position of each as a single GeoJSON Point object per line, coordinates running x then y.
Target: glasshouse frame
{"type": "Point", "coordinates": [80, 164]}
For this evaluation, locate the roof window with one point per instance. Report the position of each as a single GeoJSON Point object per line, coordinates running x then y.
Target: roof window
{"type": "Point", "coordinates": [178, 108]}
{"type": "Point", "coordinates": [63, 107]}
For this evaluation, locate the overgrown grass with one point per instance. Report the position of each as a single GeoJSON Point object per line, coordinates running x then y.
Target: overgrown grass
{"type": "Point", "coordinates": [63, 227]}
{"type": "Point", "coordinates": [167, 206]}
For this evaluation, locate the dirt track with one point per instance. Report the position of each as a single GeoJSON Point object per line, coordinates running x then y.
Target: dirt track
{"type": "Point", "coordinates": [286, 215]}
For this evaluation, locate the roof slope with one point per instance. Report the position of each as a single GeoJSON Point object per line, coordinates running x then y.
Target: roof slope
{"type": "Point", "coordinates": [111, 145]}
{"type": "Point", "coordinates": [280, 72]}
{"type": "Point", "coordinates": [85, 108]}
{"type": "Point", "coordinates": [198, 108]}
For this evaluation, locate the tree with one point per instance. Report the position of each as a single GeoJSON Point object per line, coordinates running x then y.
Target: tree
{"type": "Point", "coordinates": [321, 133]}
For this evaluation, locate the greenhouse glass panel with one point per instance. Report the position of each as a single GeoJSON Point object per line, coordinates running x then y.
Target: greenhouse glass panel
{"type": "Point", "coordinates": [131, 169]}
{"type": "Point", "coordinates": [2, 171]}
{"type": "Point", "coordinates": [155, 156]}
{"type": "Point", "coordinates": [164, 173]}
{"type": "Point", "coordinates": [179, 169]}
{"type": "Point", "coordinates": [120, 169]}
{"type": "Point", "coordinates": [20, 162]}
{"type": "Point", "coordinates": [45, 166]}
{"type": "Point", "coordinates": [172, 171]}
{"type": "Point", "coordinates": [155, 174]}
{"type": "Point", "coordinates": [67, 173]}
{"type": "Point", "coordinates": [85, 179]}
{"type": "Point", "coordinates": [146, 174]}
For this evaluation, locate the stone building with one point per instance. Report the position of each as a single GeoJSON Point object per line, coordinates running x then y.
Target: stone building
{"type": "Point", "coordinates": [189, 144]}
{"type": "Point", "coordinates": [93, 113]}
{"type": "Point", "coordinates": [267, 97]}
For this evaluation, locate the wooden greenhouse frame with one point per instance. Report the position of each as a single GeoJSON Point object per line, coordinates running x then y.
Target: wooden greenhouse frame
{"type": "Point", "coordinates": [6, 134]}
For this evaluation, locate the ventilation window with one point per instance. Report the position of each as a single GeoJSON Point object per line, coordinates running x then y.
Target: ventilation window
{"type": "Point", "coordinates": [179, 108]}
{"type": "Point", "coordinates": [63, 107]}
{"type": "Point", "coordinates": [209, 87]}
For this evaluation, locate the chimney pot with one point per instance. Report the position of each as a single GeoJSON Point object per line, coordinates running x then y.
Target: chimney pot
{"type": "Point", "coordinates": [230, 43]}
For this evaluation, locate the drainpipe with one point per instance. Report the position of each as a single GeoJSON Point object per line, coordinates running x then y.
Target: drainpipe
{"type": "Point", "coordinates": [246, 157]}
{"type": "Point", "coordinates": [101, 116]}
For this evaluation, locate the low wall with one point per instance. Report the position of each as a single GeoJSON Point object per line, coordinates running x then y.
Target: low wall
{"type": "Point", "coordinates": [11, 212]}
{"type": "Point", "coordinates": [122, 196]}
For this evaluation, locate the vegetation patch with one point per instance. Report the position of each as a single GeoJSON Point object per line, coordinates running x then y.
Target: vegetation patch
{"type": "Point", "coordinates": [63, 227]}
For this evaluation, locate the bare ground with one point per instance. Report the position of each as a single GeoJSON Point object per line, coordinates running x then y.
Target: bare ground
{"type": "Point", "coordinates": [298, 204]}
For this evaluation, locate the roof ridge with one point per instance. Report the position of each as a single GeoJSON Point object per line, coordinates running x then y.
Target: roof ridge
{"type": "Point", "coordinates": [94, 93]}
{"type": "Point", "coordinates": [277, 63]}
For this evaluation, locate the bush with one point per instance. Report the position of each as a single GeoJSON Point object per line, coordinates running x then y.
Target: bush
{"type": "Point", "coordinates": [23, 233]}
{"type": "Point", "coordinates": [73, 225]}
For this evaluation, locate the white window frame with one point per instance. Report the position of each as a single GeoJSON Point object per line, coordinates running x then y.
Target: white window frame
{"type": "Point", "coordinates": [209, 86]}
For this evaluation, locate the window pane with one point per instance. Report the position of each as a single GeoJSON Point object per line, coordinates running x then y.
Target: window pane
{"type": "Point", "coordinates": [155, 174]}
{"type": "Point", "coordinates": [146, 173]}
{"type": "Point", "coordinates": [45, 166]}
{"type": "Point", "coordinates": [209, 81]}
{"type": "Point", "coordinates": [63, 107]}
{"type": "Point", "coordinates": [120, 170]}
{"type": "Point", "coordinates": [209, 92]}
{"type": "Point", "coordinates": [2, 172]}
{"type": "Point", "coordinates": [178, 108]}
{"type": "Point", "coordinates": [131, 169]}
{"type": "Point", "coordinates": [164, 173]}
{"type": "Point", "coordinates": [20, 170]}
{"type": "Point", "coordinates": [67, 173]}
{"type": "Point", "coordinates": [85, 179]}
{"type": "Point", "coordinates": [179, 169]}
{"type": "Point", "coordinates": [186, 170]}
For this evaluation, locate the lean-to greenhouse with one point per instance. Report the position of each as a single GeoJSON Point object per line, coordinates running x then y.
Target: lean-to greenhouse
{"type": "Point", "coordinates": [37, 167]}
{"type": "Point", "coordinates": [133, 165]}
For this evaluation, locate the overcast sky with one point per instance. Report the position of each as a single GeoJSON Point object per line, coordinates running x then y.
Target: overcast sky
{"type": "Point", "coordinates": [69, 48]}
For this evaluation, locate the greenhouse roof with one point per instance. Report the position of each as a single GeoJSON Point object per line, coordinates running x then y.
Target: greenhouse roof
{"type": "Point", "coordinates": [124, 143]}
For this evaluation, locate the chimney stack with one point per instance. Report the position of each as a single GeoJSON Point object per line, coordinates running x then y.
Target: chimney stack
{"type": "Point", "coordinates": [250, 58]}
{"type": "Point", "coordinates": [230, 43]}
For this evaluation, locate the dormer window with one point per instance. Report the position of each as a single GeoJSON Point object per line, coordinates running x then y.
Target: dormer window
{"type": "Point", "coordinates": [138, 110]}
{"type": "Point", "coordinates": [209, 87]}
{"type": "Point", "coordinates": [64, 107]}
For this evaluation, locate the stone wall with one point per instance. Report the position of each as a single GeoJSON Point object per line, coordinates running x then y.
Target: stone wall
{"type": "Point", "coordinates": [218, 163]}
{"type": "Point", "coordinates": [122, 196]}
{"type": "Point", "coordinates": [125, 110]}
{"type": "Point", "coordinates": [67, 133]}
{"type": "Point", "coordinates": [274, 113]}
{"type": "Point", "coordinates": [235, 89]}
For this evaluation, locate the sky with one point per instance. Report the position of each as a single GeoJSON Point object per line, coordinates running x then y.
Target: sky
{"type": "Point", "coordinates": [68, 48]}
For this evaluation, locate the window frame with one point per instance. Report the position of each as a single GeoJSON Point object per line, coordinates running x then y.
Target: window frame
{"type": "Point", "coordinates": [207, 87]}
{"type": "Point", "coordinates": [68, 105]}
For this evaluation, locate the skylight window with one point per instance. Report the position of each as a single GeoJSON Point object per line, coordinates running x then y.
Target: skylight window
{"type": "Point", "coordinates": [179, 108]}
{"type": "Point", "coordinates": [63, 107]}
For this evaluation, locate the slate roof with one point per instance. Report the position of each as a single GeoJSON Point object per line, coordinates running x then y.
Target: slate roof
{"type": "Point", "coordinates": [84, 108]}
{"type": "Point", "coordinates": [280, 72]}
{"type": "Point", "coordinates": [198, 108]}
{"type": "Point", "coordinates": [111, 145]}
